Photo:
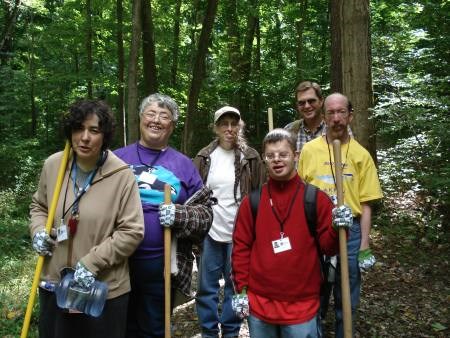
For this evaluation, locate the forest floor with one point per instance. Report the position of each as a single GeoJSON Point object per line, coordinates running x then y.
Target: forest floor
{"type": "Point", "coordinates": [406, 294]}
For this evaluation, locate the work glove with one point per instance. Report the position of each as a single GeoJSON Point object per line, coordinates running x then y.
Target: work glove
{"type": "Point", "coordinates": [342, 217]}
{"type": "Point", "coordinates": [43, 243]}
{"type": "Point", "coordinates": [239, 304]}
{"type": "Point", "coordinates": [83, 277]}
{"type": "Point", "coordinates": [366, 259]}
{"type": "Point", "coordinates": [167, 214]}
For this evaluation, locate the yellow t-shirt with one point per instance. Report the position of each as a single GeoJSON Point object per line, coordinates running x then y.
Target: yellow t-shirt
{"type": "Point", "coordinates": [360, 179]}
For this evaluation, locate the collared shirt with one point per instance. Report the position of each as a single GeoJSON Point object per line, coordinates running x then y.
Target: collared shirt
{"type": "Point", "coordinates": [304, 134]}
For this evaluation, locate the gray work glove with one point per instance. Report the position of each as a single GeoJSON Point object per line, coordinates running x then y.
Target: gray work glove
{"type": "Point", "coordinates": [342, 217]}
{"type": "Point", "coordinates": [83, 277]}
{"type": "Point", "coordinates": [239, 304]}
{"type": "Point", "coordinates": [43, 243]}
{"type": "Point", "coordinates": [366, 260]}
{"type": "Point", "coordinates": [167, 215]}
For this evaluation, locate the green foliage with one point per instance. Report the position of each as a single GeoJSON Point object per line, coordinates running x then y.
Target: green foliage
{"type": "Point", "coordinates": [412, 111]}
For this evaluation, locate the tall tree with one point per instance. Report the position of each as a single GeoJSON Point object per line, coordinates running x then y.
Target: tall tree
{"type": "Point", "coordinates": [132, 116]}
{"type": "Point", "coordinates": [11, 12]}
{"type": "Point", "coordinates": [300, 24]}
{"type": "Point", "coordinates": [351, 68]}
{"type": "Point", "coordinates": [175, 44]}
{"type": "Point", "coordinates": [120, 117]}
{"type": "Point", "coordinates": [198, 74]}
{"type": "Point", "coordinates": [148, 49]}
{"type": "Point", "coordinates": [89, 35]}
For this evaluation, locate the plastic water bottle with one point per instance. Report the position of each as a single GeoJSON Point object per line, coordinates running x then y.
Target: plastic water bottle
{"type": "Point", "coordinates": [69, 295]}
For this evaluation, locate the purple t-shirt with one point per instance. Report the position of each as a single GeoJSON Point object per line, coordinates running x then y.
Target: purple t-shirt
{"type": "Point", "coordinates": [153, 169]}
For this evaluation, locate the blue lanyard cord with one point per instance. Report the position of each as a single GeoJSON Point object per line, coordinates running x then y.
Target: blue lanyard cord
{"type": "Point", "coordinates": [78, 193]}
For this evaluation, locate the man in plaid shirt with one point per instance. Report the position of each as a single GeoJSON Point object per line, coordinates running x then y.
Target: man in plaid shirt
{"type": "Point", "coordinates": [308, 102]}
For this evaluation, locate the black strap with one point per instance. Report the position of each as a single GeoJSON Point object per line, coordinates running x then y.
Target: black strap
{"type": "Point", "coordinates": [309, 199]}
{"type": "Point", "coordinates": [255, 196]}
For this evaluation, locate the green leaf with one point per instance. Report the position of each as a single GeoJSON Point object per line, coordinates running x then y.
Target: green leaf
{"type": "Point", "coordinates": [438, 327]}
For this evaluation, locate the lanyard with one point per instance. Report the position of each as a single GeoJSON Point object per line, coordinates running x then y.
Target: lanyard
{"type": "Point", "coordinates": [289, 209]}
{"type": "Point", "coordinates": [78, 193]}
{"type": "Point", "coordinates": [343, 163]}
{"type": "Point", "coordinates": [154, 159]}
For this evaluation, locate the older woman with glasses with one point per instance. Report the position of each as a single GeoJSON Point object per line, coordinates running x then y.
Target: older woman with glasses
{"type": "Point", "coordinates": [155, 164]}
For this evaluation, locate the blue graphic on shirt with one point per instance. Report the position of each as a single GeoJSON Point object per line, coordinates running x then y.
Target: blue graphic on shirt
{"type": "Point", "coordinates": [151, 181]}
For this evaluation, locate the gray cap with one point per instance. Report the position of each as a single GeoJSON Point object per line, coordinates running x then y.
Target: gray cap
{"type": "Point", "coordinates": [226, 110]}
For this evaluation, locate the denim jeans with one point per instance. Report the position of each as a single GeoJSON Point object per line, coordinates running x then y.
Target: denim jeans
{"type": "Point", "coordinates": [353, 244]}
{"type": "Point", "coordinates": [259, 329]}
{"type": "Point", "coordinates": [146, 306]}
{"type": "Point", "coordinates": [215, 263]}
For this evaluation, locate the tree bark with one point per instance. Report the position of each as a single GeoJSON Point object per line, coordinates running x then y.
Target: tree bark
{"type": "Point", "coordinates": [148, 49]}
{"type": "Point", "coordinates": [355, 66]}
{"type": "Point", "coordinates": [132, 106]}
{"type": "Point", "coordinates": [8, 28]}
{"type": "Point", "coordinates": [198, 74]}
{"type": "Point", "coordinates": [120, 116]}
{"type": "Point", "coordinates": [175, 44]}
{"type": "Point", "coordinates": [89, 62]}
{"type": "Point", "coordinates": [300, 28]}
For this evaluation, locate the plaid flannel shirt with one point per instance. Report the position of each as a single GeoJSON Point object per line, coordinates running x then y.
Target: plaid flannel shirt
{"type": "Point", "coordinates": [304, 135]}
{"type": "Point", "coordinates": [193, 220]}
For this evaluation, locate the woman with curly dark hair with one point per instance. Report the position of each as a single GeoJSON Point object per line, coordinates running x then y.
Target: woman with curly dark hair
{"type": "Point", "coordinates": [96, 226]}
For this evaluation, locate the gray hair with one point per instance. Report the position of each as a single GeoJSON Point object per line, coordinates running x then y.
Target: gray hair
{"type": "Point", "coordinates": [163, 101]}
{"type": "Point", "coordinates": [278, 135]}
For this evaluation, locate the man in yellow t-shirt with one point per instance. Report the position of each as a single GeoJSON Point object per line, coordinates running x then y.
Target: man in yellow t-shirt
{"type": "Point", "coordinates": [360, 184]}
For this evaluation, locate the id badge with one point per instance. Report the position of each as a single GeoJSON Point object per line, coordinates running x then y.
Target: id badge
{"type": "Point", "coordinates": [281, 245]}
{"type": "Point", "coordinates": [147, 178]}
{"type": "Point", "coordinates": [61, 232]}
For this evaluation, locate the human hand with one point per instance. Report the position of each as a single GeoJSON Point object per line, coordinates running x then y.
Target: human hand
{"type": "Point", "coordinates": [342, 217]}
{"type": "Point", "coordinates": [43, 243]}
{"type": "Point", "coordinates": [366, 259]}
{"type": "Point", "coordinates": [83, 277]}
{"type": "Point", "coordinates": [167, 214]}
{"type": "Point", "coordinates": [239, 304]}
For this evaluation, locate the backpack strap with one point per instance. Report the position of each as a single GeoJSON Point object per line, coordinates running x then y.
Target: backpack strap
{"type": "Point", "coordinates": [254, 196]}
{"type": "Point", "coordinates": [310, 201]}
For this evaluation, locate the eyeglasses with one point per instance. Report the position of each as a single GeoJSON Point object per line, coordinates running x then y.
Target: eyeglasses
{"type": "Point", "coordinates": [226, 124]}
{"type": "Point", "coordinates": [273, 156]}
{"type": "Point", "coordinates": [301, 103]}
{"type": "Point", "coordinates": [162, 116]}
{"type": "Point", "coordinates": [342, 112]}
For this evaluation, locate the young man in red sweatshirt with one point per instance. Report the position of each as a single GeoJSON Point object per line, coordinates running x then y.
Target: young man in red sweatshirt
{"type": "Point", "coordinates": [275, 261]}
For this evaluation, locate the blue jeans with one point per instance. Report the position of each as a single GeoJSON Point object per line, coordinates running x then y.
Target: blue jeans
{"type": "Point", "coordinates": [215, 263]}
{"type": "Point", "coordinates": [353, 244]}
{"type": "Point", "coordinates": [146, 306]}
{"type": "Point", "coordinates": [259, 329]}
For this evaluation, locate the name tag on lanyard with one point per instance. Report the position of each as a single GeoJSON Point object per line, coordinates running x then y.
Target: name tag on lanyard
{"type": "Point", "coordinates": [281, 245]}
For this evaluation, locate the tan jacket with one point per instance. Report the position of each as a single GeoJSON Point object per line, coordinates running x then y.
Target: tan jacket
{"type": "Point", "coordinates": [111, 222]}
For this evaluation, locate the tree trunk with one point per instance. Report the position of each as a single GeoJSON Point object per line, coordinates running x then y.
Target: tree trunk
{"type": "Point", "coordinates": [198, 74]}
{"type": "Point", "coordinates": [148, 49]}
{"type": "Point", "coordinates": [175, 44]}
{"type": "Point", "coordinates": [336, 46]}
{"type": "Point", "coordinates": [120, 116]}
{"type": "Point", "coordinates": [356, 76]}
{"type": "Point", "coordinates": [300, 27]}
{"type": "Point", "coordinates": [257, 72]}
{"type": "Point", "coordinates": [132, 106]}
{"type": "Point", "coordinates": [89, 63]}
{"type": "Point", "coordinates": [8, 28]}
